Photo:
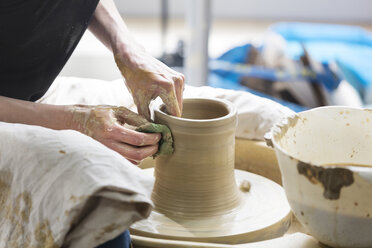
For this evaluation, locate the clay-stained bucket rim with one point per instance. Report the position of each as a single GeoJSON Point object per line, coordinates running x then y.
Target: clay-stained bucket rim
{"type": "Point", "coordinates": [280, 128]}
{"type": "Point", "coordinates": [314, 202]}
{"type": "Point", "coordinates": [214, 122]}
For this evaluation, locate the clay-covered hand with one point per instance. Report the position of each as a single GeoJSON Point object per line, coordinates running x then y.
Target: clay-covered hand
{"type": "Point", "coordinates": [106, 125]}
{"type": "Point", "coordinates": [147, 78]}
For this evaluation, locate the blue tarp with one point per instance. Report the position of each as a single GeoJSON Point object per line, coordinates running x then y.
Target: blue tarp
{"type": "Point", "coordinates": [218, 81]}
{"type": "Point", "coordinates": [349, 46]}
{"type": "Point", "coordinates": [230, 80]}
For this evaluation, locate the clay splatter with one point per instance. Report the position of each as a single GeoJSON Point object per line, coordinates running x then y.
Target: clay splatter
{"type": "Point", "coordinates": [332, 179]}
{"type": "Point", "coordinates": [76, 199]}
{"type": "Point", "coordinates": [280, 131]}
{"type": "Point", "coordinates": [245, 186]}
{"type": "Point", "coordinates": [44, 236]}
{"type": "Point", "coordinates": [108, 229]}
{"type": "Point", "coordinates": [16, 215]}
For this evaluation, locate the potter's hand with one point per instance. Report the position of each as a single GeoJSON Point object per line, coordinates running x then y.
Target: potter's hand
{"type": "Point", "coordinates": [106, 125]}
{"type": "Point", "coordinates": [145, 76]}
{"type": "Point", "coordinates": [148, 78]}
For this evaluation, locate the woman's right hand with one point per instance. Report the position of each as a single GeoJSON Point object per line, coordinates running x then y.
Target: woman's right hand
{"type": "Point", "coordinates": [106, 125]}
{"type": "Point", "coordinates": [103, 123]}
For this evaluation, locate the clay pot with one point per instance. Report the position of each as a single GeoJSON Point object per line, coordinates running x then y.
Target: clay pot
{"type": "Point", "coordinates": [198, 196]}
{"type": "Point", "coordinates": [322, 155]}
{"type": "Point", "coordinates": [198, 179]}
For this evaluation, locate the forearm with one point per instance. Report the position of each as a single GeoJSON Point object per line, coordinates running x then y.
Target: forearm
{"type": "Point", "coordinates": [50, 116]}
{"type": "Point", "coordinates": [145, 76]}
{"type": "Point", "coordinates": [103, 123]}
{"type": "Point", "coordinates": [108, 26]}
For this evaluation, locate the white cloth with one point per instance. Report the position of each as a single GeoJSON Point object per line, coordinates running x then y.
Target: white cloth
{"type": "Point", "coordinates": [256, 115]}
{"type": "Point", "coordinates": [62, 188]}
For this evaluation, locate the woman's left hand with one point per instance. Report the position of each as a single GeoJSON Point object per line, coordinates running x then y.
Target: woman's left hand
{"type": "Point", "coordinates": [146, 77]}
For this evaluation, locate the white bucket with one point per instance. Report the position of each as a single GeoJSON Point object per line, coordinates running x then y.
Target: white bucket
{"type": "Point", "coordinates": [320, 154]}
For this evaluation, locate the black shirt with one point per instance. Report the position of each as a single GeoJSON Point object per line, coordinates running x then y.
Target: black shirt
{"type": "Point", "coordinates": [37, 38]}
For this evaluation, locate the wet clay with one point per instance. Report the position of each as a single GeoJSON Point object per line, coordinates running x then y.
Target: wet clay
{"type": "Point", "coordinates": [198, 179]}
{"type": "Point", "coordinates": [208, 110]}
{"type": "Point", "coordinates": [143, 90]}
{"type": "Point", "coordinates": [90, 119]}
{"type": "Point", "coordinates": [198, 196]}
{"type": "Point", "coordinates": [332, 179]}
{"type": "Point", "coordinates": [87, 117]}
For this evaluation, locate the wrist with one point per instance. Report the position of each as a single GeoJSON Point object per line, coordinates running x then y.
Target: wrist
{"type": "Point", "coordinates": [57, 117]}
{"type": "Point", "coordinates": [77, 116]}
{"type": "Point", "coordinates": [127, 56]}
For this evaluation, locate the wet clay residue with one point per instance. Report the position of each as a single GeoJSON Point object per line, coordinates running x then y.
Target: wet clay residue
{"type": "Point", "coordinates": [76, 199]}
{"type": "Point", "coordinates": [89, 118]}
{"type": "Point", "coordinates": [245, 186]}
{"type": "Point", "coordinates": [280, 130]}
{"type": "Point", "coordinates": [17, 213]}
{"type": "Point", "coordinates": [44, 236]}
{"type": "Point", "coordinates": [5, 179]}
{"type": "Point", "coordinates": [332, 179]}
{"type": "Point", "coordinates": [107, 229]}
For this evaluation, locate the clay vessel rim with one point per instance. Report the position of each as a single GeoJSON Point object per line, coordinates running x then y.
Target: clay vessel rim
{"type": "Point", "coordinates": [279, 129]}
{"type": "Point", "coordinates": [214, 121]}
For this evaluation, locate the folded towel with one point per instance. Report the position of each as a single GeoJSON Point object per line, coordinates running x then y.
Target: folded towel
{"type": "Point", "coordinates": [62, 188]}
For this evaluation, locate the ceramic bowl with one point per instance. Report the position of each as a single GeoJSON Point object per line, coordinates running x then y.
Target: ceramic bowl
{"type": "Point", "coordinates": [325, 157]}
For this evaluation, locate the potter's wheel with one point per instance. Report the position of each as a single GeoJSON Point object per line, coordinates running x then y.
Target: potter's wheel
{"type": "Point", "coordinates": [264, 213]}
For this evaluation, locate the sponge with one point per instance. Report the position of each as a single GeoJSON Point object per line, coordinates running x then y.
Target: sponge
{"type": "Point", "coordinates": [166, 142]}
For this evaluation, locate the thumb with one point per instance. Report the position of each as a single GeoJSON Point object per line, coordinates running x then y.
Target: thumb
{"type": "Point", "coordinates": [124, 115]}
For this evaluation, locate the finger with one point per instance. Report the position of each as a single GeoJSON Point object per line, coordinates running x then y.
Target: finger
{"type": "Point", "coordinates": [134, 153]}
{"type": "Point", "coordinates": [142, 104]}
{"type": "Point", "coordinates": [178, 86]}
{"type": "Point", "coordinates": [124, 115]}
{"type": "Point", "coordinates": [168, 95]}
{"type": "Point", "coordinates": [128, 136]}
{"type": "Point", "coordinates": [134, 162]}
{"type": "Point", "coordinates": [166, 91]}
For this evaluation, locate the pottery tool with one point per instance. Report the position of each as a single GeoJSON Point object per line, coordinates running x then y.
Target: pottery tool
{"type": "Point", "coordinates": [198, 196]}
